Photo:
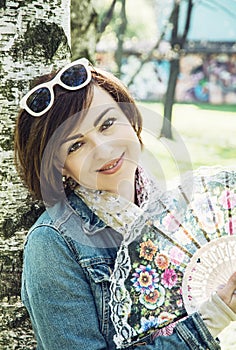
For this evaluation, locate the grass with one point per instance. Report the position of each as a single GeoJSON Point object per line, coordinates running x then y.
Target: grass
{"type": "Point", "coordinates": [204, 135]}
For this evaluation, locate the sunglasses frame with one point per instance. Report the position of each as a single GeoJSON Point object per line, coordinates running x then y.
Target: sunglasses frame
{"type": "Point", "coordinates": [56, 81]}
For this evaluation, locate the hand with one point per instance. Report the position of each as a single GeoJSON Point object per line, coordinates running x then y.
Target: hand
{"type": "Point", "coordinates": [228, 292]}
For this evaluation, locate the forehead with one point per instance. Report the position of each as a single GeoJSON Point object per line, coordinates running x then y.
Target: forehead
{"type": "Point", "coordinates": [101, 103]}
{"type": "Point", "coordinates": [100, 96]}
{"type": "Point", "coordinates": [101, 99]}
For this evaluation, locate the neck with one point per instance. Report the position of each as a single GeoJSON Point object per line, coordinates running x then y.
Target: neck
{"type": "Point", "coordinates": [126, 190]}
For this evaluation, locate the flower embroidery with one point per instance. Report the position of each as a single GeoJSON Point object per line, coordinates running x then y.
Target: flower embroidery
{"type": "Point", "coordinates": [147, 323]}
{"type": "Point", "coordinates": [162, 261]}
{"type": "Point", "coordinates": [179, 303]}
{"type": "Point", "coordinates": [154, 299]}
{"type": "Point", "coordinates": [145, 279]}
{"type": "Point", "coordinates": [176, 255]}
{"type": "Point", "coordinates": [169, 278]}
{"type": "Point", "coordinates": [148, 250]}
{"type": "Point", "coordinates": [165, 317]}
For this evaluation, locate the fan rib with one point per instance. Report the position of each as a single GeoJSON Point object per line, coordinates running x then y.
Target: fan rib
{"type": "Point", "coordinates": [194, 214]}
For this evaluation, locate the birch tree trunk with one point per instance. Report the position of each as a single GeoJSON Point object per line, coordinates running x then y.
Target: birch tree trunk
{"type": "Point", "coordinates": [34, 36]}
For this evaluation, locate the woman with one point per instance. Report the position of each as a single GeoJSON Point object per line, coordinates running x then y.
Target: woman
{"type": "Point", "coordinates": [78, 139]}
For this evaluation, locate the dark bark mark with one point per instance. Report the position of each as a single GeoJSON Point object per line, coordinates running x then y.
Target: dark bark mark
{"type": "Point", "coordinates": [39, 41]}
{"type": "Point", "coordinates": [3, 4]}
{"type": "Point", "coordinates": [25, 219]}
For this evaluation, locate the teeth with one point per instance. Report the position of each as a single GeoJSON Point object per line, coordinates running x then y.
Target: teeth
{"type": "Point", "coordinates": [110, 166]}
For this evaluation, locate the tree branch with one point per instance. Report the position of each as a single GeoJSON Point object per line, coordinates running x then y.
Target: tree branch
{"type": "Point", "coordinates": [188, 21]}
{"type": "Point", "coordinates": [149, 55]}
{"type": "Point", "coordinates": [120, 35]}
{"type": "Point", "coordinates": [107, 17]}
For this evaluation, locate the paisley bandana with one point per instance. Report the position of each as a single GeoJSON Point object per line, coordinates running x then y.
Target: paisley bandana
{"type": "Point", "coordinates": [160, 232]}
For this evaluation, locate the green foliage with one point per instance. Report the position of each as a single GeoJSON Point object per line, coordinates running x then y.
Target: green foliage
{"type": "Point", "coordinates": [139, 27]}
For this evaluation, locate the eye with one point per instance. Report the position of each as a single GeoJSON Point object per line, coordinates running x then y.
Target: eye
{"type": "Point", "coordinates": [107, 124]}
{"type": "Point", "coordinates": [77, 145]}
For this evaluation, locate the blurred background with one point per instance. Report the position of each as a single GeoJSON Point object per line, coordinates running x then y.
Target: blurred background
{"type": "Point", "coordinates": [178, 59]}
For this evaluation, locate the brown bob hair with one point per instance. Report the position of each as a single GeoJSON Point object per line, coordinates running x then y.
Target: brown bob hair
{"type": "Point", "coordinates": [42, 175]}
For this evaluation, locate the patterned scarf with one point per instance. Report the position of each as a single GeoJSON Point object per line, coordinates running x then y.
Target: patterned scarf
{"type": "Point", "coordinates": [114, 210]}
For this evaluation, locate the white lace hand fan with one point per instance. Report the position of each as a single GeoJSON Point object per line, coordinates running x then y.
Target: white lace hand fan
{"type": "Point", "coordinates": [179, 251]}
{"type": "Point", "coordinates": [210, 267]}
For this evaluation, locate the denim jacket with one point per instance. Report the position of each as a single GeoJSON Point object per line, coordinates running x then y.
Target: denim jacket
{"type": "Point", "coordinates": [69, 255]}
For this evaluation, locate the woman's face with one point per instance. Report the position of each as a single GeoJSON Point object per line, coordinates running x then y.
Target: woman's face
{"type": "Point", "coordinates": [103, 150]}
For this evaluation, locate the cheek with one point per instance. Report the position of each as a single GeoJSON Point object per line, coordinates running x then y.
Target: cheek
{"type": "Point", "coordinates": [134, 144]}
{"type": "Point", "coordinates": [127, 133]}
{"type": "Point", "coordinates": [87, 179]}
{"type": "Point", "coordinates": [80, 168]}
{"type": "Point", "coordinates": [72, 166]}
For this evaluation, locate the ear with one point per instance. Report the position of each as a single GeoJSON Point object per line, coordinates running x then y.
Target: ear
{"type": "Point", "coordinates": [64, 172]}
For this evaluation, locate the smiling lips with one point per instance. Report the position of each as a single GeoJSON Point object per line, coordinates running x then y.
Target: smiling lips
{"type": "Point", "coordinates": [112, 166]}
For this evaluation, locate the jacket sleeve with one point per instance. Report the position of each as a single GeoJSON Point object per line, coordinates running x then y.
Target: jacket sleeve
{"type": "Point", "coordinates": [215, 309]}
{"type": "Point", "coordinates": [57, 295]}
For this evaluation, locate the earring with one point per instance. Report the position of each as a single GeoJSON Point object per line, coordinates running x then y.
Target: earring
{"type": "Point", "coordinates": [72, 184]}
{"type": "Point", "coordinates": [64, 181]}
{"type": "Point", "coordinates": [69, 183]}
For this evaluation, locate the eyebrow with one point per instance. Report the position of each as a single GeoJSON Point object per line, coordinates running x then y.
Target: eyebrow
{"type": "Point", "coordinates": [79, 135]}
{"type": "Point", "coordinates": [101, 115]}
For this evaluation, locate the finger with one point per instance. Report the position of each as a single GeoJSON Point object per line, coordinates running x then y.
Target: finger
{"type": "Point", "coordinates": [229, 289]}
{"type": "Point", "coordinates": [231, 284]}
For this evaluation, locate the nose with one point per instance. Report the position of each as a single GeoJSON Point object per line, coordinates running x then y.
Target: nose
{"type": "Point", "coordinates": [101, 146]}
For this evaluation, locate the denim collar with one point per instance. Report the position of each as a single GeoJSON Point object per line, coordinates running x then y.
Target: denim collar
{"type": "Point", "coordinates": [73, 212]}
{"type": "Point", "coordinates": [91, 223]}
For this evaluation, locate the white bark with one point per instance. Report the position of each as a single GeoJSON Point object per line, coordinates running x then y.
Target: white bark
{"type": "Point", "coordinates": [34, 38]}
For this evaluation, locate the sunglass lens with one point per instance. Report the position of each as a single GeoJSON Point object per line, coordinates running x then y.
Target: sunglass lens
{"type": "Point", "coordinates": [39, 100]}
{"type": "Point", "coordinates": [74, 76]}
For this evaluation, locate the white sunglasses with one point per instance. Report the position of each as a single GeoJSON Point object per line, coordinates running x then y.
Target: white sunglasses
{"type": "Point", "coordinates": [73, 76]}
